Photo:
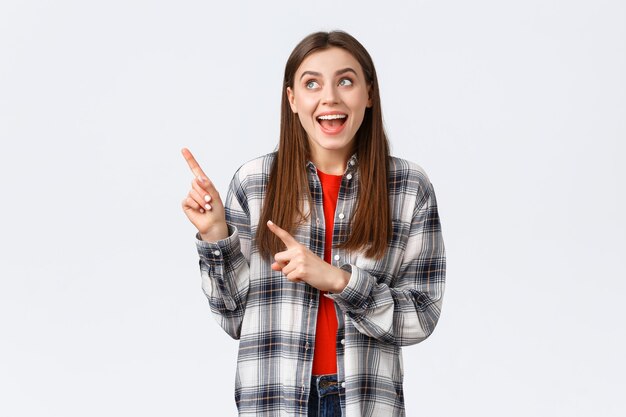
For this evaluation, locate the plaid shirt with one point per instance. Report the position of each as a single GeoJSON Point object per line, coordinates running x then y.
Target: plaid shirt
{"type": "Point", "coordinates": [388, 303]}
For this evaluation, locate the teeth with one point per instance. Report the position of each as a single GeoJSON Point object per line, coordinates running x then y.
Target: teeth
{"type": "Point", "coordinates": [332, 117]}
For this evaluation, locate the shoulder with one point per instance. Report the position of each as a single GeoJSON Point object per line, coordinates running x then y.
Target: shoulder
{"type": "Point", "coordinates": [250, 180]}
{"type": "Point", "coordinates": [255, 172]}
{"type": "Point", "coordinates": [408, 178]}
{"type": "Point", "coordinates": [260, 165]}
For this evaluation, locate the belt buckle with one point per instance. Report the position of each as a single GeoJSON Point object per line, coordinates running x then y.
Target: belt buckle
{"type": "Point", "coordinates": [327, 384]}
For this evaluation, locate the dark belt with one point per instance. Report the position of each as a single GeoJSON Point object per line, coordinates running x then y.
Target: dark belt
{"type": "Point", "coordinates": [327, 384]}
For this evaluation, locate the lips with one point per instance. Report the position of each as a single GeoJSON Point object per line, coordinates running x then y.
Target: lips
{"type": "Point", "coordinates": [332, 123]}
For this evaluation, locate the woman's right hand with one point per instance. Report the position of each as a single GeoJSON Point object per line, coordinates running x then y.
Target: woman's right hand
{"type": "Point", "coordinates": [203, 205]}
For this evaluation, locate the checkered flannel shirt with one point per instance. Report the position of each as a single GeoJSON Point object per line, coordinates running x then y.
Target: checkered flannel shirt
{"type": "Point", "coordinates": [387, 304]}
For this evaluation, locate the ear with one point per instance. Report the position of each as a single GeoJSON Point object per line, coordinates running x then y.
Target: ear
{"type": "Point", "coordinates": [292, 100]}
{"type": "Point", "coordinates": [369, 96]}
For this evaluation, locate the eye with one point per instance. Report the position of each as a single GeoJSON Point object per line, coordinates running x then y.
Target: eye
{"type": "Point", "coordinates": [311, 84]}
{"type": "Point", "coordinates": [344, 82]}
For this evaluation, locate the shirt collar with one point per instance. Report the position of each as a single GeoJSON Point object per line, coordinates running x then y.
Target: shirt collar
{"type": "Point", "coordinates": [353, 162]}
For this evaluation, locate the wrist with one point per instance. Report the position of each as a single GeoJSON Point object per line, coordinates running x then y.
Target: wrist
{"type": "Point", "coordinates": [341, 280]}
{"type": "Point", "coordinates": [216, 233]}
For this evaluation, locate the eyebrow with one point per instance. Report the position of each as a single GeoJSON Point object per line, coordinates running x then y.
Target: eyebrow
{"type": "Point", "coordinates": [338, 72]}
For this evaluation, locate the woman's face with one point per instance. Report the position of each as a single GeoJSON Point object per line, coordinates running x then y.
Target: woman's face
{"type": "Point", "coordinates": [330, 95]}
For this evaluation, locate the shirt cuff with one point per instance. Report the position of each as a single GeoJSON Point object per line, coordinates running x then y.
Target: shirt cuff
{"type": "Point", "coordinates": [217, 252]}
{"type": "Point", "coordinates": [215, 258]}
{"type": "Point", "coordinates": [354, 297]}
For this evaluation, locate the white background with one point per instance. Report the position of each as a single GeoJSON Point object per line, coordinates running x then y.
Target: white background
{"type": "Point", "coordinates": [516, 110]}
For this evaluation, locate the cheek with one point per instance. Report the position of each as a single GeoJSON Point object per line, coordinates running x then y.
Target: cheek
{"type": "Point", "coordinates": [358, 106]}
{"type": "Point", "coordinates": [306, 109]}
{"type": "Point", "coordinates": [307, 123]}
{"type": "Point", "coordinates": [307, 105]}
{"type": "Point", "coordinates": [304, 119]}
{"type": "Point", "coordinates": [357, 102]}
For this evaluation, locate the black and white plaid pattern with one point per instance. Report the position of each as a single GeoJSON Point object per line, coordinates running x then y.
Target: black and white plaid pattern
{"type": "Point", "coordinates": [388, 303]}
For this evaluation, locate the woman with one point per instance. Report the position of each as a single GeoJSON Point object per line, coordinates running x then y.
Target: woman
{"type": "Point", "coordinates": [322, 304]}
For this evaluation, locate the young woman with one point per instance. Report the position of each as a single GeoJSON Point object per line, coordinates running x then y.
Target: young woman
{"type": "Point", "coordinates": [326, 256]}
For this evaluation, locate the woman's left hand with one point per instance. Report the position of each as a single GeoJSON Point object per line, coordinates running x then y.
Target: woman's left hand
{"type": "Point", "coordinates": [298, 263]}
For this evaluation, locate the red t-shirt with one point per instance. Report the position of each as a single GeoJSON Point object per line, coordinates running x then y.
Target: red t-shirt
{"type": "Point", "coordinates": [325, 355]}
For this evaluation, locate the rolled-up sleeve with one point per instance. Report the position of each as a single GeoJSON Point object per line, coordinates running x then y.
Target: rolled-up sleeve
{"type": "Point", "coordinates": [224, 265]}
{"type": "Point", "coordinates": [404, 311]}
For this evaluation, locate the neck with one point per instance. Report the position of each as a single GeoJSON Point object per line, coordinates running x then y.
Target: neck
{"type": "Point", "coordinates": [330, 162]}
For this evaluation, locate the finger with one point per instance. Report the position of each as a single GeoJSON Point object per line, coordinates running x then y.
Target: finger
{"type": "Point", "coordinates": [190, 203]}
{"type": "Point", "coordinates": [199, 188]}
{"type": "Point", "coordinates": [283, 235]}
{"type": "Point", "coordinates": [199, 200]}
{"type": "Point", "coordinates": [206, 186]}
{"type": "Point", "coordinates": [277, 267]}
{"type": "Point", "coordinates": [284, 257]}
{"type": "Point", "coordinates": [193, 164]}
{"type": "Point", "coordinates": [293, 276]}
{"type": "Point", "coordinates": [288, 269]}
{"type": "Point", "coordinates": [282, 261]}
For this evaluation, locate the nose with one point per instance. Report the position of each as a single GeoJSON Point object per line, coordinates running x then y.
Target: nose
{"type": "Point", "coordinates": [331, 95]}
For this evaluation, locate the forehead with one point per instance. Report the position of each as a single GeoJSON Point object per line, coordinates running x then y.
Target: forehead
{"type": "Point", "coordinates": [328, 61]}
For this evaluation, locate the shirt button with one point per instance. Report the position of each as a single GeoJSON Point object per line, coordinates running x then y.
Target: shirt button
{"type": "Point", "coordinates": [352, 162]}
{"type": "Point", "coordinates": [343, 385]}
{"type": "Point", "coordinates": [317, 221]}
{"type": "Point", "coordinates": [349, 176]}
{"type": "Point", "coordinates": [306, 346]}
{"type": "Point", "coordinates": [341, 215]}
{"type": "Point", "coordinates": [336, 257]}
{"type": "Point", "coordinates": [343, 341]}
{"type": "Point", "coordinates": [216, 253]}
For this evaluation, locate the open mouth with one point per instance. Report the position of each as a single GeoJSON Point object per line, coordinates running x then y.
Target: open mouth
{"type": "Point", "coordinates": [332, 123]}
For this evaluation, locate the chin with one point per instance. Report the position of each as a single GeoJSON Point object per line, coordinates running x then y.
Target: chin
{"type": "Point", "coordinates": [334, 145]}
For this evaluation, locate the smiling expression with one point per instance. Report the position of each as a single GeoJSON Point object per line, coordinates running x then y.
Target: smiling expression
{"type": "Point", "coordinates": [330, 95]}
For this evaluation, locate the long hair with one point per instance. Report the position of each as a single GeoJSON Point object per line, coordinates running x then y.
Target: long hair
{"type": "Point", "coordinates": [288, 183]}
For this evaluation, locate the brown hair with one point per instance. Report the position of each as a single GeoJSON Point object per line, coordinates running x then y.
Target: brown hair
{"type": "Point", "coordinates": [288, 183]}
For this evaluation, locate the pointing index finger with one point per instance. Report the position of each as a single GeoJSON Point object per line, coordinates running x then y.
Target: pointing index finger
{"type": "Point", "coordinates": [283, 235]}
{"type": "Point", "coordinates": [193, 164]}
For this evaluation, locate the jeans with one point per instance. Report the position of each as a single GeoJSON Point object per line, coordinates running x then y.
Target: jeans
{"type": "Point", "coordinates": [324, 396]}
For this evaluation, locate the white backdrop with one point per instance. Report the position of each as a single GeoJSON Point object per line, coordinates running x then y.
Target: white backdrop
{"type": "Point", "coordinates": [516, 110]}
